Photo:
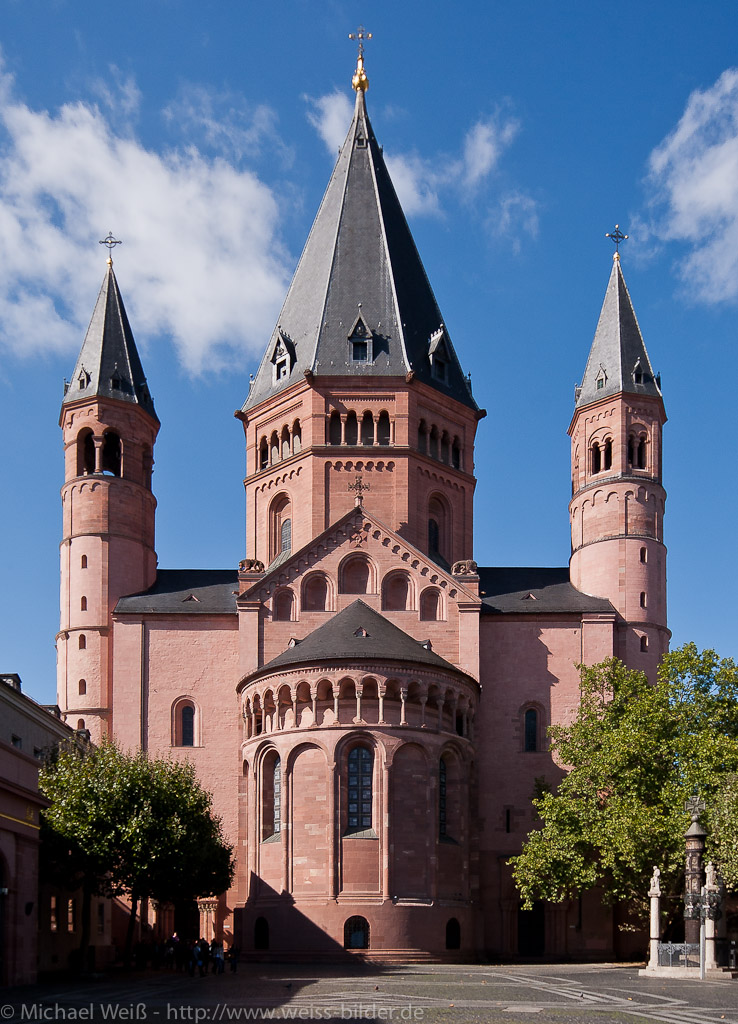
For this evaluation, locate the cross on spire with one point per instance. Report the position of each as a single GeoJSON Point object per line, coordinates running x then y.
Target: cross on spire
{"type": "Point", "coordinates": [617, 237]}
{"type": "Point", "coordinates": [359, 486]}
{"type": "Point", "coordinates": [110, 242]}
{"type": "Point", "coordinates": [360, 82]}
{"type": "Point", "coordinates": [695, 805]}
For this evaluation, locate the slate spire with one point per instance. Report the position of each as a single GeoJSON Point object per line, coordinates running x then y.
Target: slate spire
{"type": "Point", "coordinates": [360, 304]}
{"type": "Point", "coordinates": [108, 364]}
{"type": "Point", "coordinates": [618, 360]}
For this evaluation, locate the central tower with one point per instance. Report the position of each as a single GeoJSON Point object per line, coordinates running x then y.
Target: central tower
{"type": "Point", "coordinates": [360, 377]}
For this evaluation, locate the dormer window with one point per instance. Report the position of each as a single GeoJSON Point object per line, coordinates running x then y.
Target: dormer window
{"type": "Point", "coordinates": [283, 357]}
{"type": "Point", "coordinates": [601, 378]}
{"type": "Point", "coordinates": [360, 342]}
{"type": "Point", "coordinates": [638, 375]}
{"type": "Point", "coordinates": [360, 142]}
{"type": "Point", "coordinates": [83, 379]}
{"type": "Point", "coordinates": [438, 355]}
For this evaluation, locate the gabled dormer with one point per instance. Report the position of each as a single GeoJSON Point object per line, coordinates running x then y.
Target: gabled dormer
{"type": "Point", "coordinates": [283, 357]}
{"type": "Point", "coordinates": [438, 355]}
{"type": "Point", "coordinates": [360, 342]}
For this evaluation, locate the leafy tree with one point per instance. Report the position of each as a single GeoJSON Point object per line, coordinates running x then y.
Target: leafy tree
{"type": "Point", "coordinates": [634, 753]}
{"type": "Point", "coordinates": [135, 826]}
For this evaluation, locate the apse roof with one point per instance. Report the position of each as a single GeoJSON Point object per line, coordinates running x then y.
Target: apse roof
{"type": "Point", "coordinates": [108, 364]}
{"type": "Point", "coordinates": [531, 590]}
{"type": "Point", "coordinates": [618, 360]}
{"type": "Point", "coordinates": [358, 632]}
{"type": "Point", "coordinates": [360, 303]}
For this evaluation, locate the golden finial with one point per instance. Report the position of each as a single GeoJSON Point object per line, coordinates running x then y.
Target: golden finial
{"type": "Point", "coordinates": [360, 82]}
{"type": "Point", "coordinates": [111, 242]}
{"type": "Point", "coordinates": [617, 237]}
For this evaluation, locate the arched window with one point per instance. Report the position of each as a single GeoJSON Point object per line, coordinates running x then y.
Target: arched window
{"type": "Point", "coordinates": [85, 453]}
{"type": "Point", "coordinates": [315, 593]}
{"type": "Point", "coordinates": [422, 437]}
{"type": "Point", "coordinates": [530, 730]}
{"type": "Point", "coordinates": [83, 562]}
{"type": "Point", "coordinates": [383, 428]}
{"type": "Point", "coordinates": [644, 555]}
{"type": "Point", "coordinates": [356, 575]}
{"type": "Point", "coordinates": [83, 604]}
{"type": "Point", "coordinates": [286, 443]}
{"type": "Point", "coordinates": [439, 530]}
{"type": "Point", "coordinates": [596, 458]}
{"type": "Point", "coordinates": [442, 780]}
{"type": "Point", "coordinates": [644, 645]}
{"type": "Point", "coordinates": [263, 453]}
{"type": "Point", "coordinates": [274, 448]}
{"type": "Point", "coordinates": [631, 450]}
{"type": "Point", "coordinates": [453, 934]}
{"type": "Point", "coordinates": [433, 450]}
{"type": "Point", "coordinates": [261, 933]}
{"type": "Point", "coordinates": [82, 643]}
{"type": "Point", "coordinates": [396, 592]}
{"type": "Point", "coordinates": [641, 453]}
{"type": "Point", "coordinates": [334, 428]}
{"type": "Point", "coordinates": [184, 722]}
{"type": "Point", "coordinates": [360, 771]}
{"type": "Point", "coordinates": [352, 428]}
{"type": "Point", "coordinates": [271, 796]}
{"type": "Point", "coordinates": [356, 933]}
{"type": "Point", "coordinates": [456, 454]}
{"type": "Point", "coordinates": [111, 454]}
{"type": "Point", "coordinates": [430, 605]}
{"type": "Point", "coordinates": [280, 532]}
{"type": "Point", "coordinates": [607, 455]}
{"type": "Point", "coordinates": [80, 724]}
{"type": "Point", "coordinates": [444, 447]}
{"type": "Point", "coordinates": [434, 536]}
{"type": "Point", "coordinates": [82, 687]}
{"type": "Point", "coordinates": [367, 428]}
{"type": "Point", "coordinates": [283, 605]}
{"type": "Point", "coordinates": [296, 437]}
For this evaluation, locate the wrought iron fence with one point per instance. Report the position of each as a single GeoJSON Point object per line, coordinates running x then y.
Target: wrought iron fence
{"type": "Point", "coordinates": [679, 954]}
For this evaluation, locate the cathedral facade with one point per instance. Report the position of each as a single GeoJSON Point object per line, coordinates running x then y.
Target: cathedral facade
{"type": "Point", "coordinates": [367, 704]}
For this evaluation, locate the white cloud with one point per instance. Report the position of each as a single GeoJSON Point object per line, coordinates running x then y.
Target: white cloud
{"type": "Point", "coordinates": [694, 177]}
{"type": "Point", "coordinates": [517, 214]}
{"type": "Point", "coordinates": [331, 117]}
{"type": "Point", "coordinates": [201, 259]}
{"type": "Point", "coordinates": [483, 147]}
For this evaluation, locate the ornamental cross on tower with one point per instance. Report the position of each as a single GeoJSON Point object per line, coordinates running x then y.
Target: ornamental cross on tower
{"type": "Point", "coordinates": [617, 237]}
{"type": "Point", "coordinates": [360, 82]}
{"type": "Point", "coordinates": [359, 486]}
{"type": "Point", "coordinates": [695, 806]}
{"type": "Point", "coordinates": [110, 242]}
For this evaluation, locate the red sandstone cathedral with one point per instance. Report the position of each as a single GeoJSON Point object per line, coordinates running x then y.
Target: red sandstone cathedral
{"type": "Point", "coordinates": [367, 704]}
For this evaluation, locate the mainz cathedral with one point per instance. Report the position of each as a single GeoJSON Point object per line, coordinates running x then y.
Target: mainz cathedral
{"type": "Point", "coordinates": [367, 704]}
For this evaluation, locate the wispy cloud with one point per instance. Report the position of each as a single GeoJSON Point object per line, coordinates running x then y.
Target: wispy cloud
{"type": "Point", "coordinates": [201, 262]}
{"type": "Point", "coordinates": [424, 183]}
{"type": "Point", "coordinates": [694, 178]}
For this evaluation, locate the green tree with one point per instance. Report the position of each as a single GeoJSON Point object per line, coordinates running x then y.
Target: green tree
{"type": "Point", "coordinates": [135, 826]}
{"type": "Point", "coordinates": [634, 753]}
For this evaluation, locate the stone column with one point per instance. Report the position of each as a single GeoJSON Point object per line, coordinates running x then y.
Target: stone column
{"type": "Point", "coordinates": [381, 690]}
{"type": "Point", "coordinates": [336, 692]}
{"type": "Point", "coordinates": [359, 692]}
{"type": "Point", "coordinates": [655, 929]}
{"type": "Point", "coordinates": [403, 699]}
{"type": "Point", "coordinates": [694, 849]}
{"type": "Point", "coordinates": [712, 913]}
{"type": "Point", "coordinates": [98, 443]}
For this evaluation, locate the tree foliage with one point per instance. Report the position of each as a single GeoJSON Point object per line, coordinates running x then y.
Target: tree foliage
{"type": "Point", "coordinates": [634, 754]}
{"type": "Point", "coordinates": [134, 826]}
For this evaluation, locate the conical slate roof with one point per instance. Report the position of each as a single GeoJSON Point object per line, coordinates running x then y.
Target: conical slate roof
{"type": "Point", "coordinates": [360, 276]}
{"type": "Point", "coordinates": [108, 364]}
{"type": "Point", "coordinates": [618, 360]}
{"type": "Point", "coordinates": [357, 632]}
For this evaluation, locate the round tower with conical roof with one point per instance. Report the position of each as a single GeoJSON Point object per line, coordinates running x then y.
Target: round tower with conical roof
{"type": "Point", "coordinates": [618, 499]}
{"type": "Point", "coordinates": [109, 427]}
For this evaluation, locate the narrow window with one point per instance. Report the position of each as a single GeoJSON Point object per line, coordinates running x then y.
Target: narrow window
{"type": "Point", "coordinates": [359, 350]}
{"type": "Point", "coordinates": [111, 454]}
{"type": "Point", "coordinates": [596, 458]}
{"type": "Point", "coordinates": [631, 450]}
{"type": "Point", "coordinates": [608, 454]}
{"type": "Point", "coordinates": [16, 741]}
{"type": "Point", "coordinates": [644, 644]}
{"type": "Point", "coordinates": [83, 562]}
{"type": "Point", "coordinates": [531, 730]}
{"type": "Point", "coordinates": [360, 767]}
{"type": "Point", "coordinates": [283, 604]}
{"type": "Point", "coordinates": [430, 605]}
{"type": "Point", "coordinates": [422, 437]}
{"type": "Point", "coordinates": [286, 450]}
{"type": "Point", "coordinates": [444, 447]}
{"type": "Point", "coordinates": [85, 454]}
{"type": "Point", "coordinates": [53, 914]}
{"type": "Point", "coordinates": [642, 453]}
{"type": "Point", "coordinates": [367, 428]}
{"type": "Point", "coordinates": [80, 725]}
{"type": "Point", "coordinates": [356, 933]}
{"type": "Point", "coordinates": [456, 454]}
{"type": "Point", "coordinates": [644, 555]}
{"type": "Point", "coordinates": [439, 369]}
{"type": "Point", "coordinates": [187, 726]}
{"type": "Point", "coordinates": [83, 604]}
{"type": "Point", "coordinates": [442, 821]}
{"type": "Point", "coordinates": [285, 535]}
{"type": "Point", "coordinates": [433, 451]}
{"type": "Point", "coordinates": [643, 599]}
{"type": "Point", "coordinates": [383, 428]}
{"type": "Point", "coordinates": [82, 643]}
{"type": "Point", "coordinates": [82, 687]}
{"type": "Point", "coordinates": [508, 820]}
{"type": "Point", "coordinates": [71, 915]}
{"type": "Point", "coordinates": [263, 453]}
{"type": "Point", "coordinates": [273, 448]}
{"type": "Point", "coordinates": [277, 791]}
{"type": "Point", "coordinates": [453, 934]}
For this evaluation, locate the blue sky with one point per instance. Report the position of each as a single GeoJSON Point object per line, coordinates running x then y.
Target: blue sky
{"type": "Point", "coordinates": [203, 135]}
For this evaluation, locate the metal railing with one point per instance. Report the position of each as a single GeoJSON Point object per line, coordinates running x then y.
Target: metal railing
{"type": "Point", "coordinates": [679, 954]}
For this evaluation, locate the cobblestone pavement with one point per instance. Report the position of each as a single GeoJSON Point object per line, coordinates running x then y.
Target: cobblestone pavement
{"type": "Point", "coordinates": [465, 994]}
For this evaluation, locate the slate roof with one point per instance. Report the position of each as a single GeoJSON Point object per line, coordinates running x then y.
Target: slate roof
{"type": "Point", "coordinates": [360, 260]}
{"type": "Point", "coordinates": [108, 364]}
{"type": "Point", "coordinates": [186, 592]}
{"type": "Point", "coordinates": [534, 591]}
{"type": "Point", "coordinates": [618, 351]}
{"type": "Point", "coordinates": [341, 639]}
